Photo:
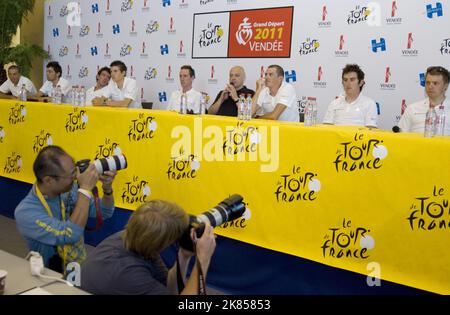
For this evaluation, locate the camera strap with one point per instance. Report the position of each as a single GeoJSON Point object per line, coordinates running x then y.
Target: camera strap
{"type": "Point", "coordinates": [98, 212]}
{"type": "Point", "coordinates": [201, 277]}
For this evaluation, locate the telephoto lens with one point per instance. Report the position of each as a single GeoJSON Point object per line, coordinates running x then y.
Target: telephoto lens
{"type": "Point", "coordinates": [112, 163]}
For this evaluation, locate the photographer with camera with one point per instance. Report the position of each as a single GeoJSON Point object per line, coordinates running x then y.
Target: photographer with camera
{"type": "Point", "coordinates": [54, 214]}
{"type": "Point", "coordinates": [129, 261]}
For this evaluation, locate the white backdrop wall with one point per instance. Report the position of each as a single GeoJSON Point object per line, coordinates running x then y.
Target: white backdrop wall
{"type": "Point", "coordinates": [416, 35]}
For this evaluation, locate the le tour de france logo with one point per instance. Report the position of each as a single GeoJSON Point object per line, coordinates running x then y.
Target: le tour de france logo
{"type": "Point", "coordinates": [42, 140]}
{"type": "Point", "coordinates": [347, 241]}
{"type": "Point", "coordinates": [143, 128]}
{"type": "Point", "coordinates": [297, 185]}
{"type": "Point", "coordinates": [212, 34]}
{"type": "Point", "coordinates": [136, 191]}
{"type": "Point", "coordinates": [76, 120]}
{"type": "Point", "coordinates": [13, 163]}
{"type": "Point", "coordinates": [183, 166]}
{"type": "Point", "coordinates": [17, 114]}
{"type": "Point", "coordinates": [363, 152]}
{"type": "Point", "coordinates": [107, 149]}
{"type": "Point", "coordinates": [430, 212]}
{"type": "Point", "coordinates": [241, 140]}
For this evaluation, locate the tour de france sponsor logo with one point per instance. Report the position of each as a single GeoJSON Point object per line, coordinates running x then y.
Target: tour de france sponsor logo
{"type": "Point", "coordinates": [42, 140]}
{"type": "Point", "coordinates": [76, 120]}
{"type": "Point", "coordinates": [297, 186]}
{"type": "Point", "coordinates": [13, 163]}
{"type": "Point", "coordinates": [309, 46]}
{"type": "Point", "coordinates": [183, 167]}
{"type": "Point", "coordinates": [347, 241]}
{"type": "Point", "coordinates": [107, 149]}
{"type": "Point", "coordinates": [136, 191]}
{"type": "Point", "coordinates": [241, 139]}
{"type": "Point", "coordinates": [430, 213]}
{"type": "Point", "coordinates": [126, 5]}
{"type": "Point", "coordinates": [2, 134]}
{"type": "Point", "coordinates": [143, 128]}
{"type": "Point", "coordinates": [152, 26]}
{"type": "Point", "coordinates": [363, 152]}
{"type": "Point", "coordinates": [17, 114]}
{"type": "Point", "coordinates": [211, 35]}
{"type": "Point", "coordinates": [359, 14]}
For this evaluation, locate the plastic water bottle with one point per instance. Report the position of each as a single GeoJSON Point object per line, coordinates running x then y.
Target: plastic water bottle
{"type": "Point", "coordinates": [314, 110]}
{"type": "Point", "coordinates": [82, 96]}
{"type": "Point", "coordinates": [73, 95]}
{"type": "Point", "coordinates": [440, 121]}
{"type": "Point", "coordinates": [248, 108]}
{"type": "Point", "coordinates": [203, 103]}
{"type": "Point", "coordinates": [23, 93]}
{"type": "Point", "coordinates": [430, 123]}
{"type": "Point", "coordinates": [309, 113]}
{"type": "Point", "coordinates": [57, 95]}
{"type": "Point", "coordinates": [241, 107]}
{"type": "Point", "coordinates": [183, 104]}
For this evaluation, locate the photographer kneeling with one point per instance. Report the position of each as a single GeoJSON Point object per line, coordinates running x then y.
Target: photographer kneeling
{"type": "Point", "coordinates": [129, 261]}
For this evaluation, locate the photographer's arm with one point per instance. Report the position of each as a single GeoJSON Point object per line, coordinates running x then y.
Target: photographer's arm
{"type": "Point", "coordinates": [107, 179]}
{"type": "Point", "coordinates": [86, 181]}
{"type": "Point", "coordinates": [184, 257]}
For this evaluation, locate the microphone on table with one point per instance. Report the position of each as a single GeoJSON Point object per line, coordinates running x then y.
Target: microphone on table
{"type": "Point", "coordinates": [396, 129]}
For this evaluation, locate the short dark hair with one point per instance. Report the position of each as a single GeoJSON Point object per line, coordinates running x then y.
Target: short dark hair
{"type": "Point", "coordinates": [56, 67]}
{"type": "Point", "coordinates": [15, 67]}
{"type": "Point", "coordinates": [120, 64]}
{"type": "Point", "coordinates": [279, 70]}
{"type": "Point", "coordinates": [104, 69]}
{"type": "Point", "coordinates": [191, 70]}
{"type": "Point", "coordinates": [354, 68]}
{"type": "Point", "coordinates": [437, 70]}
{"type": "Point", "coordinates": [47, 162]}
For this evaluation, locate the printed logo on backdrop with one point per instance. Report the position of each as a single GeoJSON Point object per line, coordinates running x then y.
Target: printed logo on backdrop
{"type": "Point", "coordinates": [150, 73]}
{"type": "Point", "coordinates": [241, 140]}
{"type": "Point", "coordinates": [42, 140]}
{"type": "Point", "coordinates": [143, 128]}
{"type": "Point", "coordinates": [299, 185]}
{"type": "Point", "coordinates": [49, 52]}
{"type": "Point", "coordinates": [445, 47]}
{"type": "Point", "coordinates": [261, 33]}
{"type": "Point", "coordinates": [229, 2]}
{"type": "Point", "coordinates": [17, 114]}
{"type": "Point", "coordinates": [2, 134]}
{"type": "Point", "coordinates": [126, 5]}
{"type": "Point", "coordinates": [212, 35]}
{"type": "Point", "coordinates": [319, 82]}
{"type": "Point", "coordinates": [394, 19]}
{"type": "Point", "coordinates": [99, 30]}
{"type": "Point", "coordinates": [361, 153]}
{"type": "Point", "coordinates": [145, 7]}
{"type": "Point", "coordinates": [388, 84]}
{"type": "Point", "coordinates": [347, 241]}
{"type": "Point", "coordinates": [64, 11]}
{"type": "Point", "coordinates": [107, 149]}
{"type": "Point", "coordinates": [107, 54]}
{"type": "Point", "coordinates": [84, 30]}
{"type": "Point", "coordinates": [125, 50]}
{"type": "Point", "coordinates": [358, 15]}
{"type": "Point", "coordinates": [205, 2]}
{"type": "Point", "coordinates": [302, 102]}
{"type": "Point", "coordinates": [83, 73]}
{"type": "Point", "coordinates": [49, 12]}
{"type": "Point", "coordinates": [78, 55]}
{"type": "Point", "coordinates": [63, 51]}
{"type": "Point", "coordinates": [76, 120]}
{"type": "Point", "coordinates": [171, 30]}
{"type": "Point", "coordinates": [212, 79]}
{"type": "Point", "coordinates": [144, 50]}
{"type": "Point", "coordinates": [309, 46]}
{"type": "Point", "coordinates": [152, 27]}
{"type": "Point", "coordinates": [410, 51]}
{"type": "Point", "coordinates": [324, 22]}
{"type": "Point", "coordinates": [69, 32]}
{"type": "Point", "coordinates": [136, 191]}
{"type": "Point", "coordinates": [181, 50]}
{"type": "Point", "coordinates": [170, 78]}
{"type": "Point", "coordinates": [341, 51]}
{"type": "Point", "coordinates": [430, 212]}
{"type": "Point", "coordinates": [183, 166]}
{"type": "Point", "coordinates": [210, 39]}
{"type": "Point", "coordinates": [133, 32]}
{"type": "Point", "coordinates": [402, 111]}
{"type": "Point", "coordinates": [108, 10]}
{"type": "Point", "coordinates": [434, 11]}
{"type": "Point", "coordinates": [183, 4]}
{"type": "Point", "coordinates": [13, 163]}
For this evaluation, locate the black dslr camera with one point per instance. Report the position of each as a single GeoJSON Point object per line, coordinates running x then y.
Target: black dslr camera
{"type": "Point", "coordinates": [228, 210]}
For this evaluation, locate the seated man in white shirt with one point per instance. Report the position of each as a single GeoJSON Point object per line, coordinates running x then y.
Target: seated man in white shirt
{"type": "Point", "coordinates": [121, 90]}
{"type": "Point", "coordinates": [100, 89]}
{"type": "Point", "coordinates": [352, 108]}
{"type": "Point", "coordinates": [436, 84]}
{"type": "Point", "coordinates": [187, 76]}
{"type": "Point", "coordinates": [14, 84]}
{"type": "Point", "coordinates": [54, 79]}
{"type": "Point", "coordinates": [275, 99]}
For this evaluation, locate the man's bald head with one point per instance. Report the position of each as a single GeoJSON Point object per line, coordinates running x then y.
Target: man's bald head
{"type": "Point", "coordinates": [237, 77]}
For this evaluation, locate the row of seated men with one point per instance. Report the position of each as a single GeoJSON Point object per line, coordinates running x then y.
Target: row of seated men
{"type": "Point", "coordinates": [273, 99]}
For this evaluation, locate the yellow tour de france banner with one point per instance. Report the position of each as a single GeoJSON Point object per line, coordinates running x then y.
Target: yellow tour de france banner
{"type": "Point", "coordinates": [363, 200]}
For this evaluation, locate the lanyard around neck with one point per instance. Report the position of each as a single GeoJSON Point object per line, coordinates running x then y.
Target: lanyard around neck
{"type": "Point", "coordinates": [47, 207]}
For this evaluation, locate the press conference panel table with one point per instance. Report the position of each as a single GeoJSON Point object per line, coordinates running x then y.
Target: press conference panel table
{"type": "Point", "coordinates": [20, 280]}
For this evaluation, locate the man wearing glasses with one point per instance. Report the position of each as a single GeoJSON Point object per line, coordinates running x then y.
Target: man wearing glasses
{"type": "Point", "coordinates": [436, 84]}
{"type": "Point", "coordinates": [54, 214]}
